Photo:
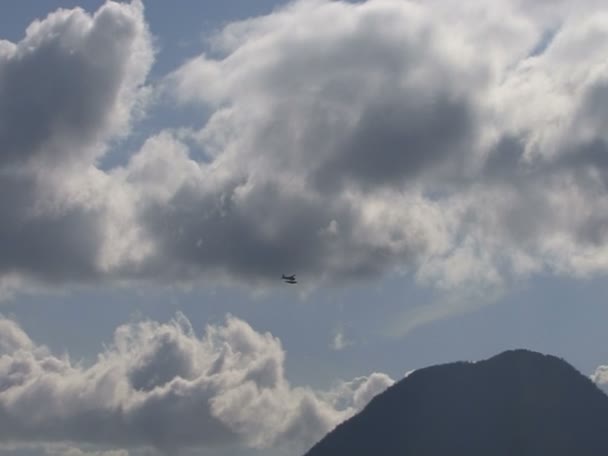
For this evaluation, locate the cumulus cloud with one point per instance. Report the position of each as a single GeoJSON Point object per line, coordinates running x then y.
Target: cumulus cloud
{"type": "Point", "coordinates": [159, 385]}
{"type": "Point", "coordinates": [13, 337]}
{"type": "Point", "coordinates": [452, 141]}
{"type": "Point", "coordinates": [600, 378]}
{"type": "Point", "coordinates": [349, 140]}
{"type": "Point", "coordinates": [463, 144]}
{"type": "Point", "coordinates": [71, 85]}
{"type": "Point", "coordinates": [358, 392]}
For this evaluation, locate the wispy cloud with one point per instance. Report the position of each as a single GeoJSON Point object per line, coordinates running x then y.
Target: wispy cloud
{"type": "Point", "coordinates": [340, 342]}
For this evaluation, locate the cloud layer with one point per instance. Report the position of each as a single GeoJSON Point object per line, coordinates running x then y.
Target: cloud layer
{"type": "Point", "coordinates": [163, 387]}
{"type": "Point", "coordinates": [461, 144]}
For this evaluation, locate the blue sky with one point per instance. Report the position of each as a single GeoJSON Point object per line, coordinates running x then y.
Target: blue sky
{"type": "Point", "coordinates": [434, 175]}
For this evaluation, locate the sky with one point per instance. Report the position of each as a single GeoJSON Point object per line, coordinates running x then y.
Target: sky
{"type": "Point", "coordinates": [434, 172]}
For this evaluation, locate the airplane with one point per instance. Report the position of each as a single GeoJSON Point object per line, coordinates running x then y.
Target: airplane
{"type": "Point", "coordinates": [291, 277]}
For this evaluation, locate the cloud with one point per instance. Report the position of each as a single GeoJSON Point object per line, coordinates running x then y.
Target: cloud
{"type": "Point", "coordinates": [67, 88]}
{"type": "Point", "coordinates": [463, 145]}
{"type": "Point", "coordinates": [59, 450]}
{"type": "Point", "coordinates": [459, 301]}
{"type": "Point", "coordinates": [441, 140]}
{"type": "Point", "coordinates": [161, 386]}
{"type": "Point", "coordinates": [358, 392]}
{"type": "Point", "coordinates": [13, 337]}
{"type": "Point", "coordinates": [71, 82]}
{"type": "Point", "coordinates": [340, 342]}
{"type": "Point", "coordinates": [600, 378]}
{"type": "Point", "coordinates": [78, 452]}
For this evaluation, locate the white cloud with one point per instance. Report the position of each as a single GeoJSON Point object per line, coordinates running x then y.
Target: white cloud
{"type": "Point", "coordinates": [340, 342]}
{"type": "Point", "coordinates": [600, 378]}
{"type": "Point", "coordinates": [358, 392]}
{"type": "Point", "coordinates": [161, 386]}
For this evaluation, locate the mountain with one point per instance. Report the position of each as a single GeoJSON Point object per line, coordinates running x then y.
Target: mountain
{"type": "Point", "coordinates": [517, 403]}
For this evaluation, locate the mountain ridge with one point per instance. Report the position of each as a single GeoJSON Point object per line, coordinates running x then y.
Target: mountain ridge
{"type": "Point", "coordinates": [518, 402]}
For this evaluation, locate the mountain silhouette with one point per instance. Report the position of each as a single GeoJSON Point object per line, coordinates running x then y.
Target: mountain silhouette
{"type": "Point", "coordinates": [517, 403]}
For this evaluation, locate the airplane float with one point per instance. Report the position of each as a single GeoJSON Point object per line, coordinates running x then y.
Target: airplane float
{"type": "Point", "coordinates": [289, 279]}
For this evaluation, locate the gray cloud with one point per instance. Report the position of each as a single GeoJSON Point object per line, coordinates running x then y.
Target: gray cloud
{"type": "Point", "coordinates": [13, 337]}
{"type": "Point", "coordinates": [397, 138]}
{"type": "Point", "coordinates": [61, 450]}
{"type": "Point", "coordinates": [51, 245]}
{"type": "Point", "coordinates": [345, 140]}
{"type": "Point", "coordinates": [161, 386]}
{"type": "Point", "coordinates": [69, 83]}
{"type": "Point", "coordinates": [67, 88]}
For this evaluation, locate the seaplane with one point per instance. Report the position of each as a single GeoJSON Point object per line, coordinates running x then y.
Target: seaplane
{"type": "Point", "coordinates": [289, 279]}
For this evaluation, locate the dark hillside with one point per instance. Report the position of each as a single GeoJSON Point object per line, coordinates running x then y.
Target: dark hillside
{"type": "Point", "coordinates": [516, 403]}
